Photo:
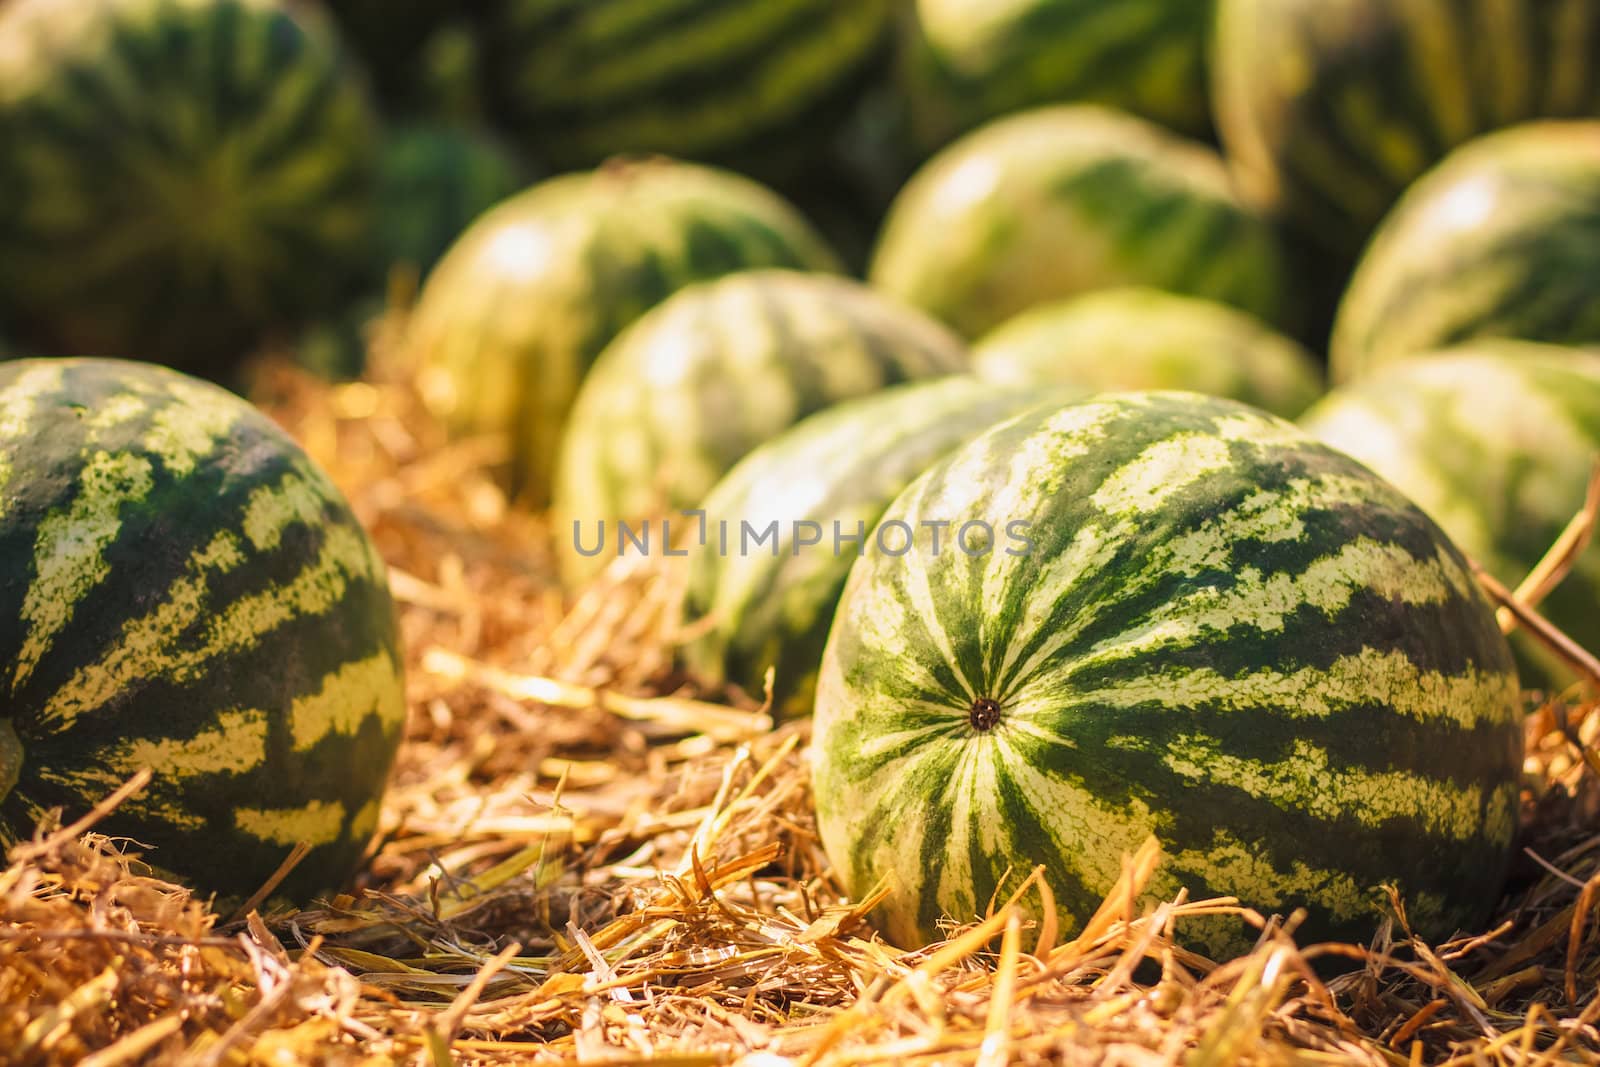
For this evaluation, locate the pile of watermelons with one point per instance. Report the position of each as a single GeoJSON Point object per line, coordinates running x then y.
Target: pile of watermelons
{"type": "Point", "coordinates": [952, 342]}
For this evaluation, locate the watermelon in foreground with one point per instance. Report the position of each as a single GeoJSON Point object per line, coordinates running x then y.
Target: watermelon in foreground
{"type": "Point", "coordinates": [1190, 620]}
{"type": "Point", "coordinates": [1148, 339]}
{"type": "Point", "coordinates": [178, 178]}
{"type": "Point", "coordinates": [1496, 441]}
{"type": "Point", "coordinates": [717, 370]}
{"type": "Point", "coordinates": [181, 589]}
{"type": "Point", "coordinates": [1502, 239]}
{"type": "Point", "coordinates": [756, 606]}
{"type": "Point", "coordinates": [1051, 203]}
{"type": "Point", "coordinates": [512, 317]}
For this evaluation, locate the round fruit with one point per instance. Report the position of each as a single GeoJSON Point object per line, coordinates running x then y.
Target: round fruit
{"type": "Point", "coordinates": [183, 590]}
{"type": "Point", "coordinates": [1328, 111]}
{"type": "Point", "coordinates": [823, 483]}
{"type": "Point", "coordinates": [179, 176]}
{"type": "Point", "coordinates": [1192, 621]}
{"type": "Point", "coordinates": [1148, 339]}
{"type": "Point", "coordinates": [1495, 441]}
{"type": "Point", "coordinates": [968, 61]}
{"type": "Point", "coordinates": [719, 80]}
{"type": "Point", "coordinates": [1502, 239]}
{"type": "Point", "coordinates": [433, 181]}
{"type": "Point", "coordinates": [717, 370]}
{"type": "Point", "coordinates": [1060, 201]}
{"type": "Point", "coordinates": [520, 306]}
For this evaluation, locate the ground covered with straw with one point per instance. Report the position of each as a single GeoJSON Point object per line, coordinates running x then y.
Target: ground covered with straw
{"type": "Point", "coordinates": [585, 858]}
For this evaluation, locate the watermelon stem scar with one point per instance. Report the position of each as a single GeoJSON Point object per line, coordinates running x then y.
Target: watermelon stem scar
{"type": "Point", "coordinates": [10, 758]}
{"type": "Point", "coordinates": [985, 714]}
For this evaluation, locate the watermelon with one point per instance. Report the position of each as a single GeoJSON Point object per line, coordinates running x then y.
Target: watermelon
{"type": "Point", "coordinates": [179, 175]}
{"type": "Point", "coordinates": [1329, 111]}
{"type": "Point", "coordinates": [716, 370]}
{"type": "Point", "coordinates": [510, 320]}
{"type": "Point", "coordinates": [1064, 200]}
{"type": "Point", "coordinates": [1495, 440]}
{"type": "Point", "coordinates": [1149, 339]}
{"type": "Point", "coordinates": [964, 62]}
{"type": "Point", "coordinates": [434, 180]}
{"type": "Point", "coordinates": [723, 81]}
{"type": "Point", "coordinates": [1502, 239]}
{"type": "Point", "coordinates": [750, 609]}
{"type": "Point", "coordinates": [1177, 616]}
{"type": "Point", "coordinates": [183, 590]}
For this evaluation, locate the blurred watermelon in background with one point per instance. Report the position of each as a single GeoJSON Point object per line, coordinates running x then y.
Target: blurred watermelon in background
{"type": "Point", "coordinates": [184, 176]}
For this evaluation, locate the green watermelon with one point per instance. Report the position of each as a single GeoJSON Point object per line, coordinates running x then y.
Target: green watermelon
{"type": "Point", "coordinates": [1502, 239]}
{"type": "Point", "coordinates": [183, 590]}
{"type": "Point", "coordinates": [1496, 441]}
{"type": "Point", "coordinates": [434, 180]}
{"type": "Point", "coordinates": [1329, 111]}
{"type": "Point", "coordinates": [1184, 618]}
{"type": "Point", "coordinates": [1059, 201]}
{"type": "Point", "coordinates": [967, 61]}
{"type": "Point", "coordinates": [724, 81]}
{"type": "Point", "coordinates": [1149, 339]}
{"type": "Point", "coordinates": [523, 302]}
{"type": "Point", "coordinates": [749, 609]}
{"type": "Point", "coordinates": [716, 370]}
{"type": "Point", "coordinates": [179, 175]}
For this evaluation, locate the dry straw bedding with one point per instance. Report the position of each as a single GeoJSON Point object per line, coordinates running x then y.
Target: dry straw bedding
{"type": "Point", "coordinates": [583, 859]}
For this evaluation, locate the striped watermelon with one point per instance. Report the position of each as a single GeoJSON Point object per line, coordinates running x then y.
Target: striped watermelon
{"type": "Point", "coordinates": [1328, 111]}
{"type": "Point", "coordinates": [179, 175]}
{"type": "Point", "coordinates": [719, 80]}
{"type": "Point", "coordinates": [183, 590]}
{"type": "Point", "coordinates": [1148, 339]}
{"type": "Point", "coordinates": [1502, 239]}
{"type": "Point", "coordinates": [1064, 200]}
{"type": "Point", "coordinates": [511, 318]}
{"type": "Point", "coordinates": [716, 370]}
{"type": "Point", "coordinates": [1208, 627]}
{"type": "Point", "coordinates": [1495, 441]}
{"type": "Point", "coordinates": [434, 180]}
{"type": "Point", "coordinates": [751, 608]}
{"type": "Point", "coordinates": [967, 61]}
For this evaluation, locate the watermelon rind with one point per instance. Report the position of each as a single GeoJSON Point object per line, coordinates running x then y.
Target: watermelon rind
{"type": "Point", "coordinates": [753, 607]}
{"type": "Point", "coordinates": [1209, 628]}
{"type": "Point", "coordinates": [183, 590]}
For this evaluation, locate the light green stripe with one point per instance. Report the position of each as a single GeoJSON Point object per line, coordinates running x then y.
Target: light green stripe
{"type": "Point", "coordinates": [347, 698]}
{"type": "Point", "coordinates": [1144, 484]}
{"type": "Point", "coordinates": [17, 402]}
{"type": "Point", "coordinates": [1365, 679]}
{"type": "Point", "coordinates": [69, 558]}
{"type": "Point", "coordinates": [1307, 780]}
{"type": "Point", "coordinates": [181, 434]}
{"type": "Point", "coordinates": [318, 823]}
{"type": "Point", "coordinates": [1266, 603]}
{"type": "Point", "coordinates": [237, 744]}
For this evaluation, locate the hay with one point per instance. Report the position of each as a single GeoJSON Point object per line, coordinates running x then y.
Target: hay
{"type": "Point", "coordinates": [585, 858]}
